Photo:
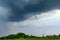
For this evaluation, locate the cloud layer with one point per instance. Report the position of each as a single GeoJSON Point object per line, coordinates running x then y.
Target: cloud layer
{"type": "Point", "coordinates": [13, 12]}
{"type": "Point", "coordinates": [22, 8]}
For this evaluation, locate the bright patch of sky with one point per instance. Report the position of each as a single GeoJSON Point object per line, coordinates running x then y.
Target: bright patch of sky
{"type": "Point", "coordinates": [48, 23]}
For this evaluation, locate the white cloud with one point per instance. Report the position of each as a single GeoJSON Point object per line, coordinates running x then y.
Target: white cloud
{"type": "Point", "coordinates": [47, 24]}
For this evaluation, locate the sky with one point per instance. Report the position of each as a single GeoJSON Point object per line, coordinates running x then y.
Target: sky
{"type": "Point", "coordinates": [32, 17]}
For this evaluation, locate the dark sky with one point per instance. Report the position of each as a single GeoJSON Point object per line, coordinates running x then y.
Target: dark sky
{"type": "Point", "coordinates": [20, 9]}
{"type": "Point", "coordinates": [17, 14]}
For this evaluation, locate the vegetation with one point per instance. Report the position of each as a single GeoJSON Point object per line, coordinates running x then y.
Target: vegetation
{"type": "Point", "coordinates": [22, 36]}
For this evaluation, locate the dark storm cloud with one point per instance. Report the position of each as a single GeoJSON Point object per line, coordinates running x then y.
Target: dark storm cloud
{"type": "Point", "coordinates": [23, 9]}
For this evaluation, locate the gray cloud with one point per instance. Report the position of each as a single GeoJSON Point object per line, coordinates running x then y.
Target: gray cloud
{"type": "Point", "coordinates": [20, 9]}
{"type": "Point", "coordinates": [29, 7]}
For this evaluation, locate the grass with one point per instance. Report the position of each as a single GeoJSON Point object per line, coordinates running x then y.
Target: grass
{"type": "Point", "coordinates": [32, 39]}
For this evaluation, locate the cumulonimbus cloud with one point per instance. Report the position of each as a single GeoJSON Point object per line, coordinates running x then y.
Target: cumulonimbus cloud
{"type": "Point", "coordinates": [21, 14]}
{"type": "Point", "coordinates": [20, 9]}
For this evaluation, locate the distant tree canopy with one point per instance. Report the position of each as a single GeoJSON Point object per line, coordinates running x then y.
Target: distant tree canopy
{"type": "Point", "coordinates": [22, 35]}
{"type": "Point", "coordinates": [18, 35]}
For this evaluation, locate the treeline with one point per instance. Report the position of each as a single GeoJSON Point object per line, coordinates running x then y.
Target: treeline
{"type": "Point", "coordinates": [22, 35]}
{"type": "Point", "coordinates": [18, 35]}
{"type": "Point", "coordinates": [53, 36]}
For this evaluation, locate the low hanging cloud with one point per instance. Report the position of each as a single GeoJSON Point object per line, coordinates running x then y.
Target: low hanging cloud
{"type": "Point", "coordinates": [20, 9]}
{"type": "Point", "coordinates": [23, 8]}
{"type": "Point", "coordinates": [48, 25]}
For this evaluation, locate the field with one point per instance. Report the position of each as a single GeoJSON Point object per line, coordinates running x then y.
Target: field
{"type": "Point", "coordinates": [32, 39]}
